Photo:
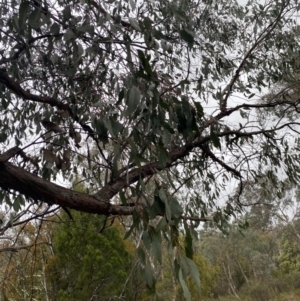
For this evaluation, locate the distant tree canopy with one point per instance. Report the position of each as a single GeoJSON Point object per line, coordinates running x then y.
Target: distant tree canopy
{"type": "Point", "coordinates": [155, 104]}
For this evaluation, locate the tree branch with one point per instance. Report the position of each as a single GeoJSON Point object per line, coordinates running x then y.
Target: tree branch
{"type": "Point", "coordinates": [17, 89]}
{"type": "Point", "coordinates": [209, 153]}
{"type": "Point", "coordinates": [24, 45]}
{"type": "Point", "coordinates": [262, 38]}
{"type": "Point", "coordinates": [18, 179]}
{"type": "Point", "coordinates": [16, 249]}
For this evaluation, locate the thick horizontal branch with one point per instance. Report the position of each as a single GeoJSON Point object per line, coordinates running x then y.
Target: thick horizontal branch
{"type": "Point", "coordinates": [18, 179]}
{"type": "Point", "coordinates": [12, 177]}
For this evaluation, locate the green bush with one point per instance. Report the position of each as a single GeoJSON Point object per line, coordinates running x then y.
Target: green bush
{"type": "Point", "coordinates": [257, 291]}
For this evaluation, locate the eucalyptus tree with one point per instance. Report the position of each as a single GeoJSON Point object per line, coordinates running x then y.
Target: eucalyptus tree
{"type": "Point", "coordinates": [156, 104]}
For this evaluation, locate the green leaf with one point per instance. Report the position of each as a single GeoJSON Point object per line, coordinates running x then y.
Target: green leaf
{"type": "Point", "coordinates": [86, 28]}
{"type": "Point", "coordinates": [141, 255]}
{"type": "Point", "coordinates": [121, 97]}
{"type": "Point", "coordinates": [3, 137]}
{"type": "Point", "coordinates": [123, 197]}
{"type": "Point", "coordinates": [54, 58]}
{"type": "Point", "coordinates": [15, 21]}
{"type": "Point", "coordinates": [182, 123]}
{"type": "Point", "coordinates": [110, 126]}
{"type": "Point", "coordinates": [134, 99]}
{"type": "Point", "coordinates": [187, 36]}
{"type": "Point", "coordinates": [163, 196]}
{"type": "Point", "coordinates": [188, 241]}
{"type": "Point", "coordinates": [168, 128]}
{"type": "Point", "coordinates": [144, 62]}
{"type": "Point", "coordinates": [34, 18]}
{"type": "Point", "coordinates": [215, 140]}
{"type": "Point", "coordinates": [161, 224]}
{"type": "Point", "coordinates": [158, 34]}
{"type": "Point", "coordinates": [184, 266]}
{"type": "Point", "coordinates": [157, 208]}
{"type": "Point", "coordinates": [101, 130]}
{"type": "Point", "coordinates": [55, 28]}
{"type": "Point", "coordinates": [156, 246]}
{"type": "Point", "coordinates": [129, 57]}
{"type": "Point", "coordinates": [132, 4]}
{"type": "Point", "coordinates": [147, 240]}
{"type": "Point", "coordinates": [4, 103]}
{"type": "Point", "coordinates": [149, 275]}
{"type": "Point", "coordinates": [18, 202]}
{"type": "Point", "coordinates": [79, 50]}
{"type": "Point", "coordinates": [162, 157]}
{"type": "Point", "coordinates": [127, 234]}
{"type": "Point", "coordinates": [134, 24]}
{"type": "Point", "coordinates": [186, 108]}
{"type": "Point", "coordinates": [186, 293]}
{"type": "Point", "coordinates": [2, 195]}
{"type": "Point", "coordinates": [23, 10]}
{"type": "Point", "coordinates": [148, 23]}
{"type": "Point", "coordinates": [67, 13]}
{"type": "Point", "coordinates": [69, 34]}
{"type": "Point", "coordinates": [194, 272]}
{"type": "Point", "coordinates": [199, 108]}
{"type": "Point", "coordinates": [176, 208]}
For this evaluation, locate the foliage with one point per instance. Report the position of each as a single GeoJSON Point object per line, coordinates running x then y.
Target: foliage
{"type": "Point", "coordinates": [259, 262]}
{"type": "Point", "coordinates": [142, 100]}
{"type": "Point", "coordinates": [88, 265]}
{"type": "Point", "coordinates": [252, 264]}
{"type": "Point", "coordinates": [96, 265]}
{"type": "Point", "coordinates": [208, 278]}
{"type": "Point", "coordinates": [23, 264]}
{"type": "Point", "coordinates": [289, 258]}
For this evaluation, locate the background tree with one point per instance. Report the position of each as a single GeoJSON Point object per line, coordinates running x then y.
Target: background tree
{"type": "Point", "coordinates": [87, 265]}
{"type": "Point", "coordinates": [153, 86]}
{"type": "Point", "coordinates": [96, 265]}
{"type": "Point", "coordinates": [24, 254]}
